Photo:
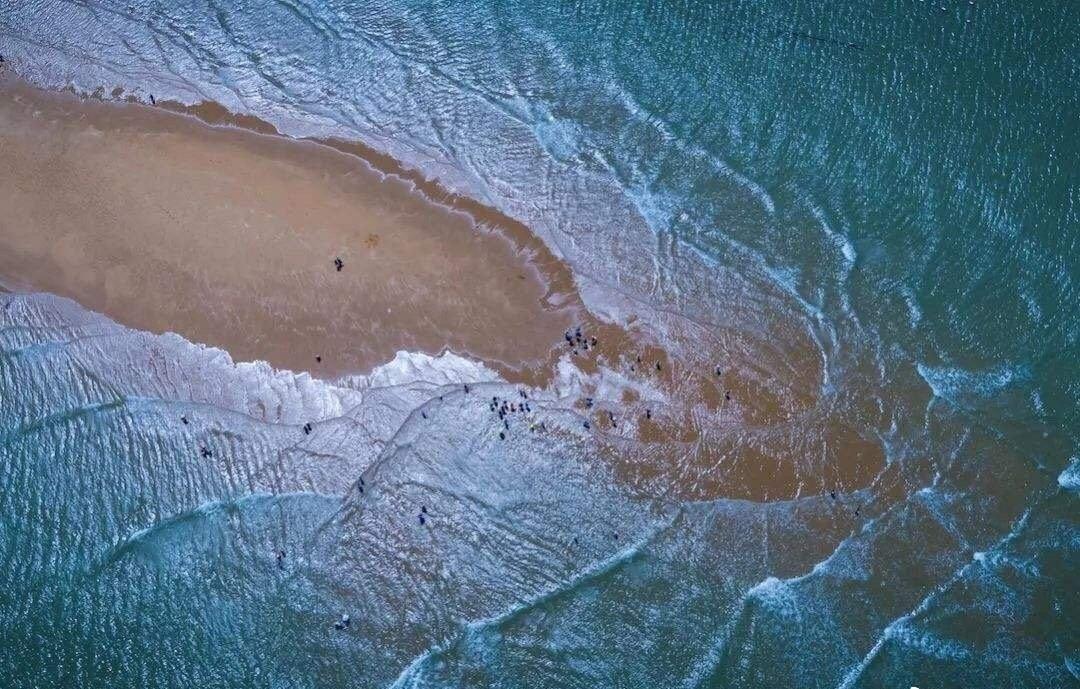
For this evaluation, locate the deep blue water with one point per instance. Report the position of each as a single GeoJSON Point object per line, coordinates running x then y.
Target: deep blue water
{"type": "Point", "coordinates": [875, 208]}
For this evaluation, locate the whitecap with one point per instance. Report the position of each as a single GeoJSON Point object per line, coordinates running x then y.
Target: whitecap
{"type": "Point", "coordinates": [1070, 478]}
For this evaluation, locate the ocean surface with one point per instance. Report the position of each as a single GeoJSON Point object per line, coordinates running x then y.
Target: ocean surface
{"type": "Point", "coordinates": [876, 210]}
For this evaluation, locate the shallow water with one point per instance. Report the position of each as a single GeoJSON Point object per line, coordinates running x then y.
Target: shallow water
{"type": "Point", "coordinates": [870, 214]}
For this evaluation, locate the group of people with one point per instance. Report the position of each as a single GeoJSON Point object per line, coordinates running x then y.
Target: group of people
{"type": "Point", "coordinates": [505, 408]}
{"type": "Point", "coordinates": [575, 339]}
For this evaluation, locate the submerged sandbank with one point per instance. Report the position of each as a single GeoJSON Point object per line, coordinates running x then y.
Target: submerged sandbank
{"type": "Point", "coordinates": [165, 220]}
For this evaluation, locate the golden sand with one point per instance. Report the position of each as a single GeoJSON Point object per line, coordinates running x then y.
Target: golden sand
{"type": "Point", "coordinates": [229, 238]}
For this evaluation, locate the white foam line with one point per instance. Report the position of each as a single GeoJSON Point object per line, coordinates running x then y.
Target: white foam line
{"type": "Point", "coordinates": [977, 560]}
{"type": "Point", "coordinates": [599, 569]}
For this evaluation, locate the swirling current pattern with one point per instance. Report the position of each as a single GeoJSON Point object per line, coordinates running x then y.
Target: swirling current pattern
{"type": "Point", "coordinates": [871, 210]}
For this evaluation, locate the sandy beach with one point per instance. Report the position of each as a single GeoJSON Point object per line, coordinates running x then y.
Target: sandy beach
{"type": "Point", "coordinates": [229, 237]}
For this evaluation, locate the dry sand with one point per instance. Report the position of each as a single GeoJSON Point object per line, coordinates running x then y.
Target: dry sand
{"type": "Point", "coordinates": [228, 237]}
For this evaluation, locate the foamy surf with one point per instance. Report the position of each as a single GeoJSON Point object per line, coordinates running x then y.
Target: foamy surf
{"type": "Point", "coordinates": [860, 343]}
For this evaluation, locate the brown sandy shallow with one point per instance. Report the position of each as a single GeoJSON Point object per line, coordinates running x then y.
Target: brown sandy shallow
{"type": "Point", "coordinates": [197, 221]}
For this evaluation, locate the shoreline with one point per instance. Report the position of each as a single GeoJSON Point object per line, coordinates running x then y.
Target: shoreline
{"type": "Point", "coordinates": [618, 343]}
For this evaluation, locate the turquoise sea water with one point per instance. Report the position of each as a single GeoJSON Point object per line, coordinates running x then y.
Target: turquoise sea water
{"type": "Point", "coordinates": [893, 189]}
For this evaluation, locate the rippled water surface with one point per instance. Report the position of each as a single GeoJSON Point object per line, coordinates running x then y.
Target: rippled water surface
{"type": "Point", "coordinates": [871, 211]}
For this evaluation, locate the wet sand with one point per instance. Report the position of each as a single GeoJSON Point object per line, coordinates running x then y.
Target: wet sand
{"type": "Point", "coordinates": [193, 220]}
{"type": "Point", "coordinates": [229, 237]}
